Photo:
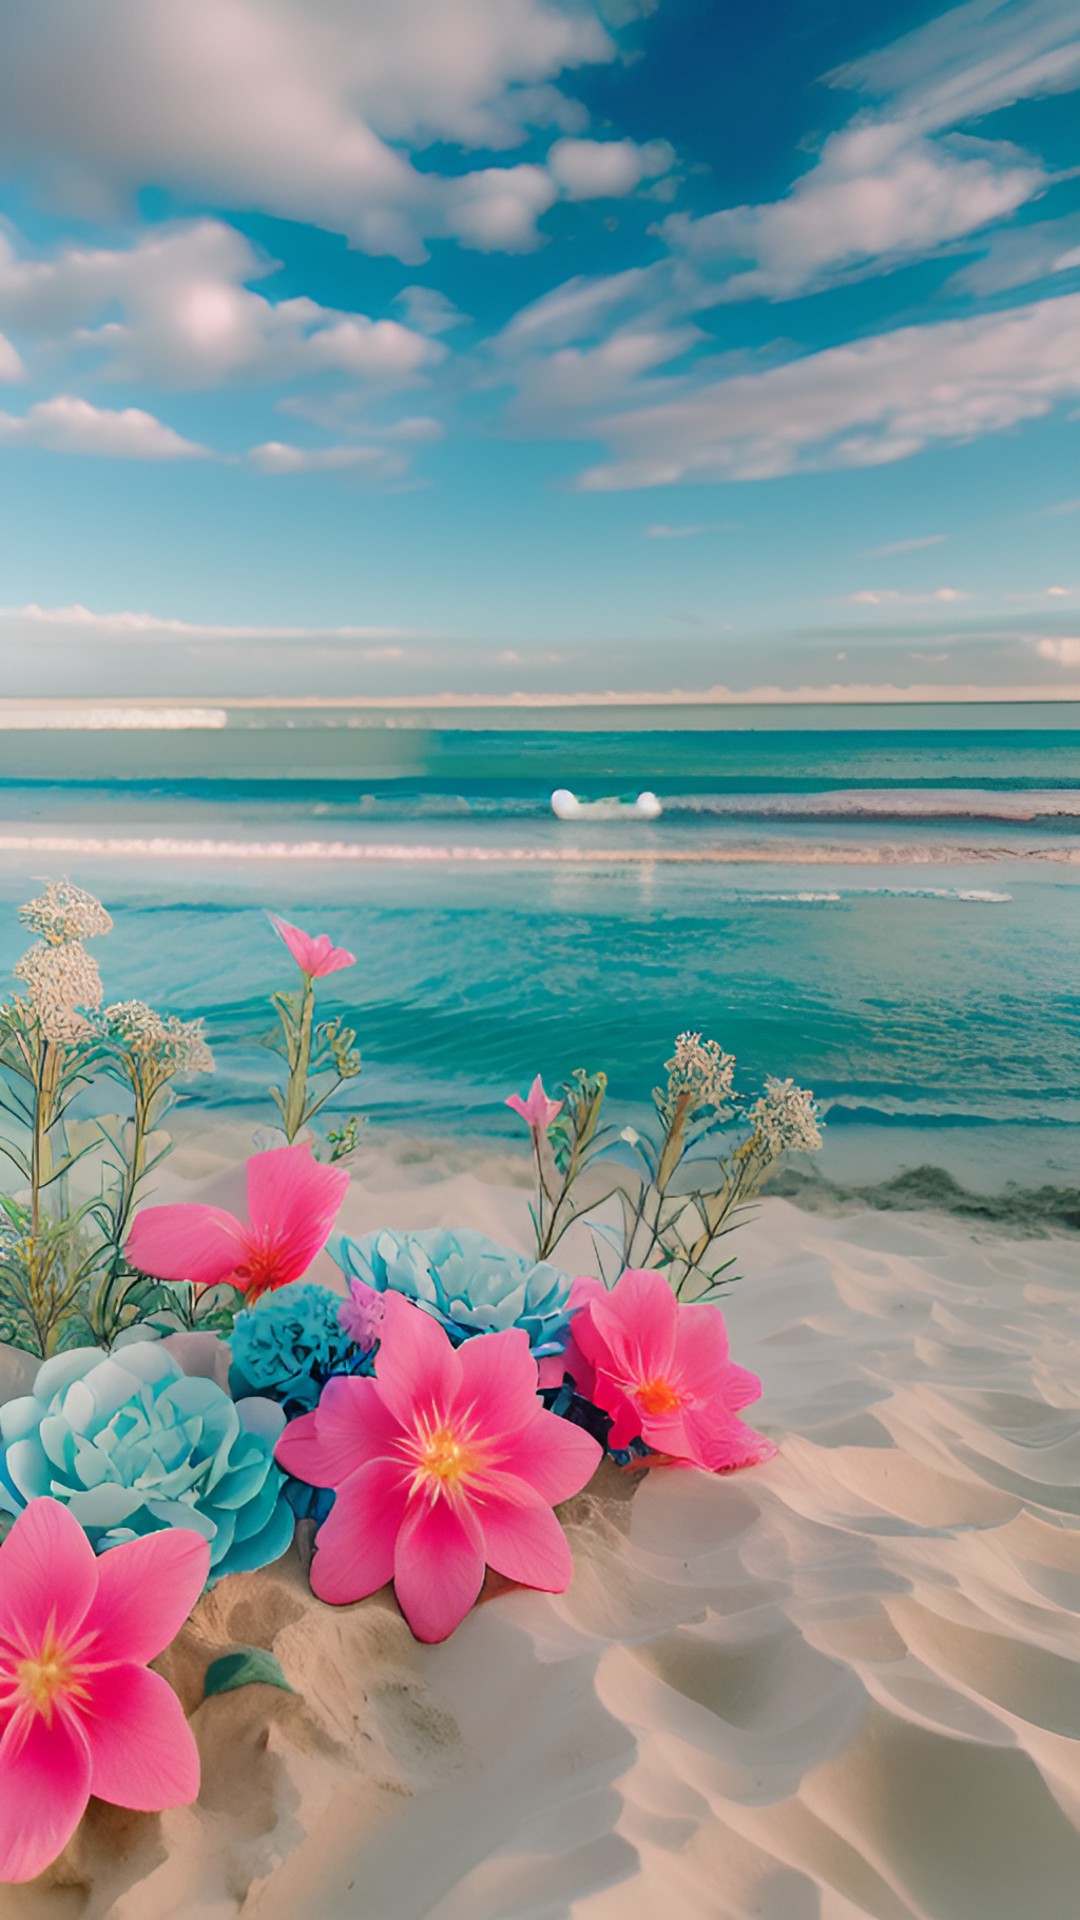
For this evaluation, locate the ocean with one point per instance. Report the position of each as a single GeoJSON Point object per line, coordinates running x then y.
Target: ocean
{"type": "Point", "coordinates": [882, 903]}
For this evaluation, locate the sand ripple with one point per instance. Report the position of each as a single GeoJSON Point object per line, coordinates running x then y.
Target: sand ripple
{"type": "Point", "coordinates": [843, 1685]}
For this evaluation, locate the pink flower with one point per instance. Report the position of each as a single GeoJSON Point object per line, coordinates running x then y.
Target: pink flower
{"type": "Point", "coordinates": [79, 1710]}
{"type": "Point", "coordinates": [538, 1110]}
{"type": "Point", "coordinates": [443, 1464]}
{"type": "Point", "coordinates": [314, 953]}
{"type": "Point", "coordinates": [292, 1205]}
{"type": "Point", "coordinates": [663, 1372]}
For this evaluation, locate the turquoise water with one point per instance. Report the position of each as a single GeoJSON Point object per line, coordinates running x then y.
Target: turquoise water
{"type": "Point", "coordinates": [891, 915]}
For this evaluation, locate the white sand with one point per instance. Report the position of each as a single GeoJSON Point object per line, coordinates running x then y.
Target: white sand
{"type": "Point", "coordinates": [843, 1684]}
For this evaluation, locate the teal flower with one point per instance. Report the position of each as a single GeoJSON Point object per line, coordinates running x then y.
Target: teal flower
{"type": "Point", "coordinates": [290, 1343]}
{"type": "Point", "coordinates": [132, 1444]}
{"type": "Point", "coordinates": [467, 1282]}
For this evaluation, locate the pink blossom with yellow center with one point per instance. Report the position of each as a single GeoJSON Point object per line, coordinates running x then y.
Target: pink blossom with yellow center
{"type": "Point", "coordinates": [80, 1712]}
{"type": "Point", "coordinates": [443, 1464]}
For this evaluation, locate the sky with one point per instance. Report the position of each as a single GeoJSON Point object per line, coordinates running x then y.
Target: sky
{"type": "Point", "coordinates": [414, 346]}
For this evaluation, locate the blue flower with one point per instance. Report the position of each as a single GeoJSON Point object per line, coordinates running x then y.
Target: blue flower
{"type": "Point", "coordinates": [132, 1444]}
{"type": "Point", "coordinates": [289, 1344]}
{"type": "Point", "coordinates": [467, 1282]}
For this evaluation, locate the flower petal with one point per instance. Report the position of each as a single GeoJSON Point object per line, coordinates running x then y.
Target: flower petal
{"type": "Point", "coordinates": [350, 1426]}
{"type": "Point", "coordinates": [48, 1573]}
{"type": "Point", "coordinates": [555, 1457]}
{"type": "Point", "coordinates": [721, 1444]}
{"type": "Point", "coordinates": [416, 1368]}
{"type": "Point", "coordinates": [438, 1567]}
{"type": "Point", "coordinates": [315, 954]}
{"type": "Point", "coordinates": [523, 1539]}
{"type": "Point", "coordinates": [635, 1323]}
{"type": "Point", "coordinates": [188, 1241]}
{"type": "Point", "coordinates": [293, 1201]}
{"type": "Point", "coordinates": [499, 1379]}
{"type": "Point", "coordinates": [146, 1589]}
{"type": "Point", "coordinates": [45, 1778]}
{"type": "Point", "coordinates": [142, 1751]}
{"type": "Point", "coordinates": [354, 1547]}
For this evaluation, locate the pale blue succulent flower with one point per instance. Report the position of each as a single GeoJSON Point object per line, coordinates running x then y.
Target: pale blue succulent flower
{"type": "Point", "coordinates": [466, 1281]}
{"type": "Point", "coordinates": [132, 1444]}
{"type": "Point", "coordinates": [290, 1343]}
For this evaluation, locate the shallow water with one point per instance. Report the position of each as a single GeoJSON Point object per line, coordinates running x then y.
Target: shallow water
{"type": "Point", "coordinates": [891, 915]}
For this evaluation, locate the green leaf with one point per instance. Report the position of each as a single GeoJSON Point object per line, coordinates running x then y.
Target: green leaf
{"type": "Point", "coordinates": [247, 1667]}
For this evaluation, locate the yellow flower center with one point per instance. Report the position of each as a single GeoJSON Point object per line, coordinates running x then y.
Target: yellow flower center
{"type": "Point", "coordinates": [658, 1396]}
{"type": "Point", "coordinates": [53, 1673]}
{"type": "Point", "coordinates": [446, 1458]}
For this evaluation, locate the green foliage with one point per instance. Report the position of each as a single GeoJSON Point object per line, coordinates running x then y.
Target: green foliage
{"type": "Point", "coordinates": [321, 1057]}
{"type": "Point", "coordinates": [677, 1190]}
{"type": "Point", "coordinates": [64, 1280]}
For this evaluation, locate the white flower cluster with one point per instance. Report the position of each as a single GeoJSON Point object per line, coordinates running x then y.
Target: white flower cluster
{"type": "Point", "coordinates": [62, 981]}
{"type": "Point", "coordinates": [785, 1118]}
{"type": "Point", "coordinates": [64, 913]}
{"type": "Point", "coordinates": [169, 1044]}
{"type": "Point", "coordinates": [698, 1070]}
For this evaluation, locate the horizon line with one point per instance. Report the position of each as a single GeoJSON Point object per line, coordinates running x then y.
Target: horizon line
{"type": "Point", "coordinates": [200, 708]}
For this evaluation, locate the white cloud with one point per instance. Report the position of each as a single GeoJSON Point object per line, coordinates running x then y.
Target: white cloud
{"type": "Point", "coordinates": [892, 597]}
{"type": "Point", "coordinates": [302, 108]}
{"type": "Point", "coordinates": [65, 622]}
{"type": "Point", "coordinates": [428, 310]}
{"type": "Point", "coordinates": [11, 366]}
{"type": "Point", "coordinates": [573, 310]}
{"type": "Point", "coordinates": [496, 209]}
{"type": "Point", "coordinates": [606, 169]}
{"type": "Point", "coordinates": [896, 183]}
{"type": "Point", "coordinates": [174, 310]}
{"type": "Point", "coordinates": [1018, 256]}
{"type": "Point", "coordinates": [972, 60]}
{"type": "Point", "coordinates": [67, 424]}
{"type": "Point", "coordinates": [865, 404]}
{"type": "Point", "coordinates": [877, 193]}
{"type": "Point", "coordinates": [574, 378]}
{"type": "Point", "coordinates": [1065, 652]}
{"type": "Point", "coordinates": [278, 456]}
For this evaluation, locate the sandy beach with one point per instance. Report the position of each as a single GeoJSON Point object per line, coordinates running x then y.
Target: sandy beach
{"type": "Point", "coordinates": [843, 1684]}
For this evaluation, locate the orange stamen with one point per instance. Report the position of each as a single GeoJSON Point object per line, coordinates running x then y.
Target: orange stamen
{"type": "Point", "coordinates": [658, 1396]}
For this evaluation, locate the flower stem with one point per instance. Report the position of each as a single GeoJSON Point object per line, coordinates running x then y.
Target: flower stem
{"type": "Point", "coordinates": [41, 1161]}
{"type": "Point", "coordinates": [300, 1061]}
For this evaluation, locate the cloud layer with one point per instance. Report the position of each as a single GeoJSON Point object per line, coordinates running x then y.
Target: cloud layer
{"type": "Point", "coordinates": [302, 108]}
{"type": "Point", "coordinates": [862, 405]}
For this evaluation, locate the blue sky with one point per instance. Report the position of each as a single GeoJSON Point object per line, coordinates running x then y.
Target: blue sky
{"type": "Point", "coordinates": [402, 346]}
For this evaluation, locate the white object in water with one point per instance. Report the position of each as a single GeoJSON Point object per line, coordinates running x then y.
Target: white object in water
{"type": "Point", "coordinates": [566, 806]}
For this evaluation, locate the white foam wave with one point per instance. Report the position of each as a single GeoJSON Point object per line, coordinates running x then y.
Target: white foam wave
{"type": "Point", "coordinates": [877, 803]}
{"type": "Point", "coordinates": [111, 719]}
{"type": "Point", "coordinates": [158, 847]}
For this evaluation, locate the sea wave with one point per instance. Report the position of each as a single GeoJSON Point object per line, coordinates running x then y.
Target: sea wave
{"type": "Point", "coordinates": [60, 719]}
{"type": "Point", "coordinates": [788, 853]}
{"type": "Point", "coordinates": [885, 803]}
